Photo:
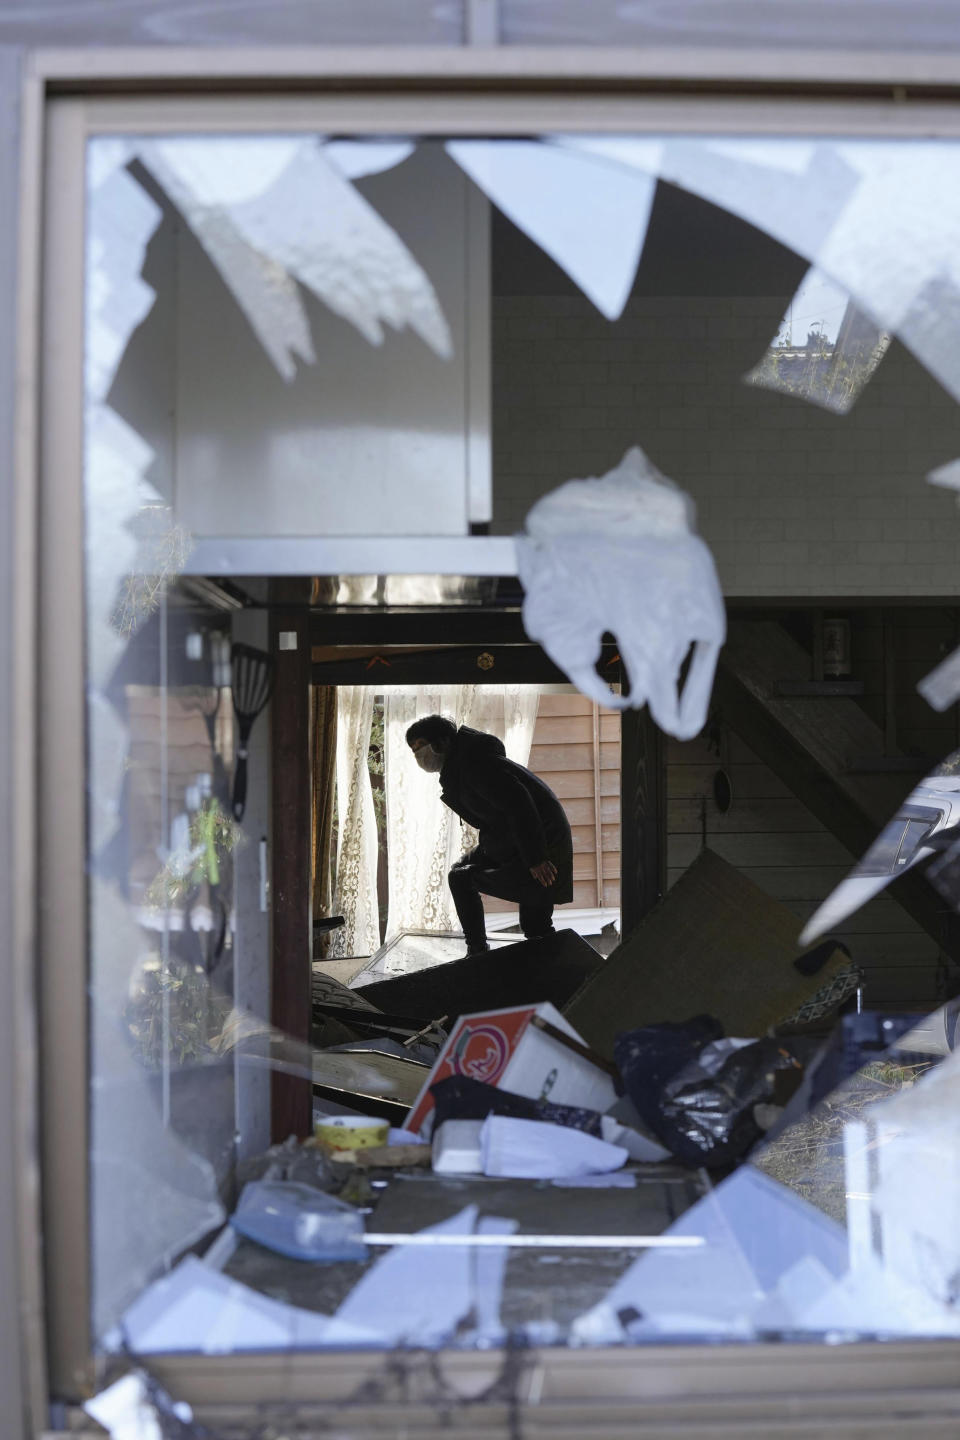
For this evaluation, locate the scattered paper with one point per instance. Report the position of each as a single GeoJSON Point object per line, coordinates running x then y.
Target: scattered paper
{"type": "Point", "coordinates": [125, 1412]}
{"type": "Point", "coordinates": [534, 1150]}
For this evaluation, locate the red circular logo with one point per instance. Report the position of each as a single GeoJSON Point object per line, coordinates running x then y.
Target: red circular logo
{"type": "Point", "coordinates": [480, 1052]}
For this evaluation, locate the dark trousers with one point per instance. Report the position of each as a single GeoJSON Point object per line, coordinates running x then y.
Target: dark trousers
{"type": "Point", "coordinates": [475, 875]}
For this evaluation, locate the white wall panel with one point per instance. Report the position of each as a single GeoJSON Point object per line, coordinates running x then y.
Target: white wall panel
{"type": "Point", "coordinates": [370, 439]}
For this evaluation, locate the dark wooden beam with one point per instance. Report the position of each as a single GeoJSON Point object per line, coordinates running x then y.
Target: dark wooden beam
{"type": "Point", "coordinates": [473, 665]}
{"type": "Point", "coordinates": [291, 940]}
{"type": "Point", "coordinates": [450, 626]}
{"type": "Point", "coordinates": [643, 811]}
{"type": "Point", "coordinates": [822, 750]}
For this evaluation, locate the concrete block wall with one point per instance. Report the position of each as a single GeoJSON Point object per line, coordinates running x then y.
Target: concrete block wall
{"type": "Point", "coordinates": [792, 499]}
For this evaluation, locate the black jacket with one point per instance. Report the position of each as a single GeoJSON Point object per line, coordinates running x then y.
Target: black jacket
{"type": "Point", "coordinates": [517, 815]}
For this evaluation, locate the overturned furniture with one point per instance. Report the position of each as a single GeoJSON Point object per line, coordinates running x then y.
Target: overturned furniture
{"type": "Point", "coordinates": [715, 945]}
{"type": "Point", "coordinates": [531, 971]}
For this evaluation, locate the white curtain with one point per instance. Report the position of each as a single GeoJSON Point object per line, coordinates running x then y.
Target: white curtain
{"type": "Point", "coordinates": [424, 838]}
{"type": "Point", "coordinates": [356, 889]}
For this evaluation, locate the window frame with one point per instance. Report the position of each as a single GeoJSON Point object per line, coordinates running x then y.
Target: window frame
{"type": "Point", "coordinates": [70, 96]}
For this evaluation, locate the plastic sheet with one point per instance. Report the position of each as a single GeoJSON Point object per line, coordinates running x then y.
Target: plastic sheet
{"type": "Point", "coordinates": [620, 554]}
{"type": "Point", "coordinates": [696, 1089]}
{"type": "Point", "coordinates": [299, 1221]}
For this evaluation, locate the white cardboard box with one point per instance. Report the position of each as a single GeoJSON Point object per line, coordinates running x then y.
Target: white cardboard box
{"type": "Point", "coordinates": [503, 1048]}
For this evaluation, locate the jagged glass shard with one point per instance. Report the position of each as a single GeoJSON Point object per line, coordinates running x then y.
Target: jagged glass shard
{"type": "Point", "coordinates": [880, 219]}
{"type": "Point", "coordinates": [922, 826]}
{"type": "Point", "coordinates": [356, 158]}
{"type": "Point", "coordinates": [590, 217]}
{"type": "Point", "coordinates": [634, 151]}
{"type": "Point", "coordinates": [620, 554]}
{"type": "Point", "coordinates": [272, 212]}
{"type": "Point", "coordinates": [152, 1195]}
{"type": "Point", "coordinates": [845, 1221]}
{"type": "Point", "coordinates": [942, 686]}
{"type": "Point", "coordinates": [825, 351]}
{"type": "Point", "coordinates": [946, 475]}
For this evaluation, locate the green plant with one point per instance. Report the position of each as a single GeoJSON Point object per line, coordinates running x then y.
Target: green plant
{"type": "Point", "coordinates": [173, 1012]}
{"type": "Point", "coordinates": [214, 835]}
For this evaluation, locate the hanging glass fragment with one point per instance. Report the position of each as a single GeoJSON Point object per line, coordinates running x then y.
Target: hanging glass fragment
{"type": "Point", "coordinates": [590, 217]}
{"type": "Point", "coordinates": [825, 351]}
{"type": "Point", "coordinates": [927, 822]}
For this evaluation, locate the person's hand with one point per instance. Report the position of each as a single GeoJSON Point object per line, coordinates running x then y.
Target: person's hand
{"type": "Point", "coordinates": [545, 872]}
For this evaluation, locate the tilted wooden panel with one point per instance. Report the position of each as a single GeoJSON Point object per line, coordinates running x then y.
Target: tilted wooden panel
{"type": "Point", "coordinates": [752, 850]}
{"type": "Point", "coordinates": [685, 816]}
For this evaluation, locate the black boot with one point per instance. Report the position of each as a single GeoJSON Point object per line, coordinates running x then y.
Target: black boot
{"type": "Point", "coordinates": [474, 948]}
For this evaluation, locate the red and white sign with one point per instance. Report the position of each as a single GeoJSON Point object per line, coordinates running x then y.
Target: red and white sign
{"type": "Point", "coordinates": [500, 1047]}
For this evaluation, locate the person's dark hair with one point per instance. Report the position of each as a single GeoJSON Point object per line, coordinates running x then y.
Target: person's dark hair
{"type": "Point", "coordinates": [435, 729]}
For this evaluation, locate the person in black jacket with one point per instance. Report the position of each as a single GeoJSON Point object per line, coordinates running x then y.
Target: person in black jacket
{"type": "Point", "coordinates": [525, 852]}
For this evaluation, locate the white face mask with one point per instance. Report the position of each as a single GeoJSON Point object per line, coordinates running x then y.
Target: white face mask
{"type": "Point", "coordinates": [429, 759]}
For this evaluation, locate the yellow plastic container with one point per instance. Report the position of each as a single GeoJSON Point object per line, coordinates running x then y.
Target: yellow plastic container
{"type": "Point", "coordinates": [352, 1132]}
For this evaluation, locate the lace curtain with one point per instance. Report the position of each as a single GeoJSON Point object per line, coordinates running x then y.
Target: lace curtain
{"type": "Point", "coordinates": [356, 893]}
{"type": "Point", "coordinates": [424, 838]}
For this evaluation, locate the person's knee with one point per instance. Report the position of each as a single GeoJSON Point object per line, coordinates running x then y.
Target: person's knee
{"type": "Point", "coordinates": [459, 877]}
{"type": "Point", "coordinates": [535, 922]}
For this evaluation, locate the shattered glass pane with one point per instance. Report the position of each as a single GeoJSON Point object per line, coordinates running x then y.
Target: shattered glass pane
{"type": "Point", "coordinates": [825, 350]}
{"type": "Point", "coordinates": [591, 219]}
{"type": "Point", "coordinates": [925, 825]}
{"type": "Point", "coordinates": [281, 340]}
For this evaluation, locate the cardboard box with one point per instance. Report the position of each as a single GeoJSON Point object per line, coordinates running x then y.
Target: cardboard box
{"type": "Point", "coordinates": [503, 1048]}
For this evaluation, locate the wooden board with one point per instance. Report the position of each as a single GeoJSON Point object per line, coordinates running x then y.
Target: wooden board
{"type": "Point", "coordinates": [367, 1079]}
{"type": "Point", "coordinates": [525, 973]}
{"type": "Point", "coordinates": [717, 945]}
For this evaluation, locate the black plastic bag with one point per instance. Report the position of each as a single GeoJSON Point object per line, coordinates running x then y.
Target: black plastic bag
{"type": "Point", "coordinates": [460, 1098]}
{"type": "Point", "coordinates": [696, 1090]}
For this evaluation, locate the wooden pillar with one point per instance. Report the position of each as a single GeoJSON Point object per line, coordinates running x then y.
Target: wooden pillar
{"type": "Point", "coordinates": [643, 808]}
{"type": "Point", "coordinates": [290, 1095]}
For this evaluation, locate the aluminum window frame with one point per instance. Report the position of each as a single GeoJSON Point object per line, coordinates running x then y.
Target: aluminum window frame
{"type": "Point", "coordinates": [79, 94]}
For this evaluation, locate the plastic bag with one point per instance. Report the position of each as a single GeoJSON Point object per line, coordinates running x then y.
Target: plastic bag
{"type": "Point", "coordinates": [696, 1090]}
{"type": "Point", "coordinates": [620, 554]}
{"type": "Point", "coordinates": [298, 1221]}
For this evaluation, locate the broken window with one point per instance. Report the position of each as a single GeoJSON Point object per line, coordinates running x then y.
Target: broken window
{"type": "Point", "coordinates": [303, 350]}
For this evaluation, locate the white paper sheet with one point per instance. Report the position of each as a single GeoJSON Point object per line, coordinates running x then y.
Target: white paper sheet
{"type": "Point", "coordinates": [535, 1150]}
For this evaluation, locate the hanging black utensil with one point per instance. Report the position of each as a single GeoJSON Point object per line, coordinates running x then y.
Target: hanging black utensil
{"type": "Point", "coordinates": [252, 684]}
